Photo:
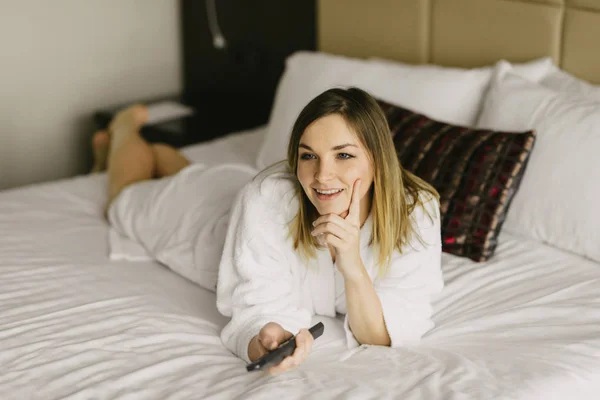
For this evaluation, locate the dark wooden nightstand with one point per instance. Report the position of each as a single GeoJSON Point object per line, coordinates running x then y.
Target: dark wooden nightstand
{"type": "Point", "coordinates": [216, 114]}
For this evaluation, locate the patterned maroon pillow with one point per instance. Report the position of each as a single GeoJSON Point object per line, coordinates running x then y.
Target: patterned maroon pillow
{"type": "Point", "coordinates": [475, 171]}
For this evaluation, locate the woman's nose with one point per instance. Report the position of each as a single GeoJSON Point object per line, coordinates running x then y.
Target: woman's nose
{"type": "Point", "coordinates": [325, 171]}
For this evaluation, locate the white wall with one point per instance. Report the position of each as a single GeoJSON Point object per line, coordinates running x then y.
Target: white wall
{"type": "Point", "coordinates": [60, 60]}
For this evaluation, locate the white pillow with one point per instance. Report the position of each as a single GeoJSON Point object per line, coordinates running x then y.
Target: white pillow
{"type": "Point", "coordinates": [306, 75]}
{"type": "Point", "coordinates": [558, 196]}
{"type": "Point", "coordinates": [452, 95]}
{"type": "Point", "coordinates": [446, 94]}
{"type": "Point", "coordinates": [562, 81]}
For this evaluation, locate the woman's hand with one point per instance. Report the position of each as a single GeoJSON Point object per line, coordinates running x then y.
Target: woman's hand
{"type": "Point", "coordinates": [270, 337]}
{"type": "Point", "coordinates": [343, 233]}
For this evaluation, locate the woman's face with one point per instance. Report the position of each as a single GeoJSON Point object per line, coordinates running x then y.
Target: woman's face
{"type": "Point", "coordinates": [330, 160]}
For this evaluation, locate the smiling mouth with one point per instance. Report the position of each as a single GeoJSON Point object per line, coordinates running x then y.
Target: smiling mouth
{"type": "Point", "coordinates": [328, 192]}
{"type": "Point", "coordinates": [325, 195]}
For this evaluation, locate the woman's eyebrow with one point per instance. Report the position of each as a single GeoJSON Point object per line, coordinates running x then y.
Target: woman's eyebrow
{"type": "Point", "coordinates": [341, 146]}
{"type": "Point", "coordinates": [338, 147]}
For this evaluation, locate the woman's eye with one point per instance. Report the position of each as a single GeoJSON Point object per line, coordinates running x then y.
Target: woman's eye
{"type": "Point", "coordinates": [307, 156]}
{"type": "Point", "coordinates": [345, 156]}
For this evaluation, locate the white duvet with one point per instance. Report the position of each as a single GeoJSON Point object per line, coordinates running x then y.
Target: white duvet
{"type": "Point", "coordinates": [74, 324]}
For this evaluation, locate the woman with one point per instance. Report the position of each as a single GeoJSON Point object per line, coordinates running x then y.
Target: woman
{"type": "Point", "coordinates": [340, 228]}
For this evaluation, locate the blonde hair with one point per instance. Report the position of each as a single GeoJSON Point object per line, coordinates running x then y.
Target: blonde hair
{"type": "Point", "coordinates": [395, 192]}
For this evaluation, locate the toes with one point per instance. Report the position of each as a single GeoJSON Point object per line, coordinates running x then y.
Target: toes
{"type": "Point", "coordinates": [100, 140]}
{"type": "Point", "coordinates": [100, 145]}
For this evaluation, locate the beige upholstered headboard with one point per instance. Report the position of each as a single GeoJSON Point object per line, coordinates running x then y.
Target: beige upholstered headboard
{"type": "Point", "coordinates": [465, 33]}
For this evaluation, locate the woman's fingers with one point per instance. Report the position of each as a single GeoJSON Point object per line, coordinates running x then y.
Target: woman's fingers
{"type": "Point", "coordinates": [354, 208]}
{"type": "Point", "coordinates": [286, 365]}
{"type": "Point", "coordinates": [331, 218]}
{"type": "Point", "coordinates": [304, 341]}
{"type": "Point", "coordinates": [332, 234]}
{"type": "Point", "coordinates": [342, 234]}
{"type": "Point", "coordinates": [334, 225]}
{"type": "Point", "coordinates": [305, 346]}
{"type": "Point", "coordinates": [332, 228]}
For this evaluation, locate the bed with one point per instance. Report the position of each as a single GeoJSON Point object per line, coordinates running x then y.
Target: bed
{"type": "Point", "coordinates": [524, 324]}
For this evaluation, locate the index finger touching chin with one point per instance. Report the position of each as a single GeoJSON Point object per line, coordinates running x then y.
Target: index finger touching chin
{"type": "Point", "coordinates": [354, 209]}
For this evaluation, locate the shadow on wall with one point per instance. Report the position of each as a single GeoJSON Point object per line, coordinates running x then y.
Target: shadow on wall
{"type": "Point", "coordinates": [62, 61]}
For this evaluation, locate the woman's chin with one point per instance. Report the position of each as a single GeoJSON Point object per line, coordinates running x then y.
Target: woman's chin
{"type": "Point", "coordinates": [329, 210]}
{"type": "Point", "coordinates": [328, 207]}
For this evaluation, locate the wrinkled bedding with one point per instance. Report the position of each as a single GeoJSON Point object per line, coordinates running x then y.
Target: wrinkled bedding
{"type": "Point", "coordinates": [74, 324]}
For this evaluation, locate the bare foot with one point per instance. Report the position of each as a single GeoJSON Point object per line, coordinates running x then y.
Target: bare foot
{"type": "Point", "coordinates": [127, 122]}
{"type": "Point", "coordinates": [100, 144]}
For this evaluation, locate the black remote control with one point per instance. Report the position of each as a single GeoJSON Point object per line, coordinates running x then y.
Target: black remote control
{"type": "Point", "coordinates": [285, 349]}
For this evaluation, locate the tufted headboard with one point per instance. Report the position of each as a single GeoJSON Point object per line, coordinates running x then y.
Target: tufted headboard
{"type": "Point", "coordinates": [465, 33]}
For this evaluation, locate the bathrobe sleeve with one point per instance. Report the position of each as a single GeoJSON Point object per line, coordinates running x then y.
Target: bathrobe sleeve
{"type": "Point", "coordinates": [256, 284]}
{"type": "Point", "coordinates": [413, 279]}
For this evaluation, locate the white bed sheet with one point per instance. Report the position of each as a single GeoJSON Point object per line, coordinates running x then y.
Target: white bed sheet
{"type": "Point", "coordinates": [73, 324]}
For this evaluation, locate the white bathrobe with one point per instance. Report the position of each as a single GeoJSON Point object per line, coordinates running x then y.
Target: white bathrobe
{"type": "Point", "coordinates": [261, 278]}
